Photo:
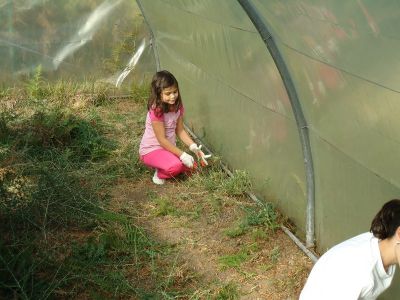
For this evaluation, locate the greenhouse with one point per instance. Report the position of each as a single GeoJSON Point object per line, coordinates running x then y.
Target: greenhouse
{"type": "Point", "coordinates": [284, 90]}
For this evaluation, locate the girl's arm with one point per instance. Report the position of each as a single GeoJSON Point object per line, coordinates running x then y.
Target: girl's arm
{"type": "Point", "coordinates": [159, 131]}
{"type": "Point", "coordinates": [181, 132]}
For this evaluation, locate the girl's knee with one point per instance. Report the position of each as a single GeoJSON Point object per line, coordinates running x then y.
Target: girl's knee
{"type": "Point", "coordinates": [175, 169]}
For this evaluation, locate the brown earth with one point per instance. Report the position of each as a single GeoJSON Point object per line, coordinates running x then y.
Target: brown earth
{"type": "Point", "coordinates": [261, 263]}
{"type": "Point", "coordinates": [273, 267]}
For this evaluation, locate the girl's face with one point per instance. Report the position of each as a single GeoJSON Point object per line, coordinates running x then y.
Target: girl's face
{"type": "Point", "coordinates": [169, 95]}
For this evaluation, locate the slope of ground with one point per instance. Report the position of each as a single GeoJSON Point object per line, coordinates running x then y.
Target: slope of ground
{"type": "Point", "coordinates": [81, 219]}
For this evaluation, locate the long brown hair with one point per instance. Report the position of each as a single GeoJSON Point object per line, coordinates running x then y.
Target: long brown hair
{"type": "Point", "coordinates": [161, 80]}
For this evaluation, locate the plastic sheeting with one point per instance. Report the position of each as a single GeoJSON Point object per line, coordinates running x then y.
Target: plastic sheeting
{"type": "Point", "coordinates": [342, 57]}
{"type": "Point", "coordinates": [93, 39]}
{"type": "Point", "coordinates": [343, 60]}
{"type": "Point", "coordinates": [338, 55]}
{"type": "Point", "coordinates": [234, 97]}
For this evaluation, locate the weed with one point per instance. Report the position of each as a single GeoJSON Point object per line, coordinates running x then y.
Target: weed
{"type": "Point", "coordinates": [229, 291]}
{"type": "Point", "coordinates": [255, 216]}
{"type": "Point", "coordinates": [266, 267]}
{"type": "Point", "coordinates": [293, 279]}
{"type": "Point", "coordinates": [24, 275]}
{"type": "Point", "coordinates": [196, 213]}
{"type": "Point", "coordinates": [274, 255]}
{"type": "Point", "coordinates": [264, 215]}
{"type": "Point", "coordinates": [237, 231]}
{"type": "Point", "coordinates": [165, 207]}
{"type": "Point", "coordinates": [233, 261]}
{"type": "Point", "coordinates": [215, 180]}
{"type": "Point", "coordinates": [6, 118]}
{"type": "Point", "coordinates": [238, 184]}
{"type": "Point", "coordinates": [152, 194]}
{"type": "Point", "coordinates": [59, 130]}
{"type": "Point", "coordinates": [34, 86]}
{"type": "Point", "coordinates": [140, 93]}
{"type": "Point", "coordinates": [259, 234]}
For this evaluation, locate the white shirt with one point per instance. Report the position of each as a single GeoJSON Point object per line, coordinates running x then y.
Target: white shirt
{"type": "Point", "coordinates": [350, 270]}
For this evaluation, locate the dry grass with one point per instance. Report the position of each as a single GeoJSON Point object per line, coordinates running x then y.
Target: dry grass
{"type": "Point", "coordinates": [193, 238]}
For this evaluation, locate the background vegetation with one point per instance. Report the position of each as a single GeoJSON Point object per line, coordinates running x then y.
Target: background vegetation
{"type": "Point", "coordinates": [62, 149]}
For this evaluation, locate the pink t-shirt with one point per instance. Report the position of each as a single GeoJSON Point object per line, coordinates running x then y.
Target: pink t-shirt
{"type": "Point", "coordinates": [149, 140]}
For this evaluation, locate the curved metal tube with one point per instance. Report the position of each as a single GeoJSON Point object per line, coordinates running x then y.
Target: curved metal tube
{"type": "Point", "coordinates": [302, 126]}
{"type": "Point", "coordinates": [153, 40]}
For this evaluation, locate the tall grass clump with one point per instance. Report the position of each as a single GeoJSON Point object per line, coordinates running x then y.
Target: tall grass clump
{"type": "Point", "coordinates": [63, 132]}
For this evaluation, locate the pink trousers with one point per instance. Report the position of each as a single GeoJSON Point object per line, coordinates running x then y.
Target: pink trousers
{"type": "Point", "coordinates": [166, 163]}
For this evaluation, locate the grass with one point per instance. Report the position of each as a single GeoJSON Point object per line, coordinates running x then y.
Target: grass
{"type": "Point", "coordinates": [61, 152]}
{"type": "Point", "coordinates": [214, 178]}
{"type": "Point", "coordinates": [234, 260]}
{"type": "Point", "coordinates": [229, 291]}
{"type": "Point", "coordinates": [165, 207]}
{"type": "Point", "coordinates": [63, 148]}
{"type": "Point", "coordinates": [256, 216]}
{"type": "Point", "coordinates": [59, 160]}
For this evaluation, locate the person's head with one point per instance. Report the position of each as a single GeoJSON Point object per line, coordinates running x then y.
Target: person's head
{"type": "Point", "coordinates": [387, 220]}
{"type": "Point", "coordinates": [164, 94]}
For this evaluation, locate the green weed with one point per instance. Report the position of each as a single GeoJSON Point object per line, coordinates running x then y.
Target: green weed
{"type": "Point", "coordinates": [34, 86]}
{"type": "Point", "coordinates": [259, 234]}
{"type": "Point", "coordinates": [165, 207]}
{"type": "Point", "coordinates": [229, 291]}
{"type": "Point", "coordinates": [237, 231]}
{"type": "Point", "coordinates": [238, 184]}
{"type": "Point", "coordinates": [215, 180]}
{"type": "Point", "coordinates": [140, 93]}
{"type": "Point", "coordinates": [22, 274]}
{"type": "Point", "coordinates": [255, 216]}
{"type": "Point", "coordinates": [234, 260]}
{"type": "Point", "coordinates": [274, 255]}
{"type": "Point", "coordinates": [264, 215]}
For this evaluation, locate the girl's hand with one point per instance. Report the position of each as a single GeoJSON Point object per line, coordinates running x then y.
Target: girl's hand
{"type": "Point", "coordinates": [187, 160]}
{"type": "Point", "coordinates": [200, 155]}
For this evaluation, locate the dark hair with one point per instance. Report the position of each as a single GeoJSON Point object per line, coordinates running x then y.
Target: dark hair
{"type": "Point", "coordinates": [387, 220]}
{"type": "Point", "coordinates": [161, 80]}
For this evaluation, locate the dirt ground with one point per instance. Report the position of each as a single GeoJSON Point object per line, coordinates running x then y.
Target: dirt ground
{"type": "Point", "coordinates": [260, 263]}
{"type": "Point", "coordinates": [272, 266]}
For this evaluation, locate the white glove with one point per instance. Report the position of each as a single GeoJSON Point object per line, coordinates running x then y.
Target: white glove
{"type": "Point", "coordinates": [197, 150]}
{"type": "Point", "coordinates": [187, 160]}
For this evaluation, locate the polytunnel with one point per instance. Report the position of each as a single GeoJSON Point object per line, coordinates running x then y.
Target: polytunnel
{"type": "Point", "coordinates": [301, 94]}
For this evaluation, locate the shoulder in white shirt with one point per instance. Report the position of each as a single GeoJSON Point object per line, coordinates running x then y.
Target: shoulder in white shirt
{"type": "Point", "coordinates": [350, 270]}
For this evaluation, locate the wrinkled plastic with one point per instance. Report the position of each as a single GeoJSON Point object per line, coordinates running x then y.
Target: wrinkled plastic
{"type": "Point", "coordinates": [97, 40]}
{"type": "Point", "coordinates": [342, 57]}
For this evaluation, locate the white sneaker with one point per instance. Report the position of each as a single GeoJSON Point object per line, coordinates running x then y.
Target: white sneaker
{"type": "Point", "coordinates": [157, 180]}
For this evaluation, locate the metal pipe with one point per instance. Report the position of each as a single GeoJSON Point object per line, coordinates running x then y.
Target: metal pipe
{"type": "Point", "coordinates": [153, 39]}
{"type": "Point", "coordinates": [302, 126]}
{"type": "Point", "coordinates": [302, 247]}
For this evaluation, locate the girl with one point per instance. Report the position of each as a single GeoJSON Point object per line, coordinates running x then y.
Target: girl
{"type": "Point", "coordinates": [164, 122]}
{"type": "Point", "coordinates": [361, 267]}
